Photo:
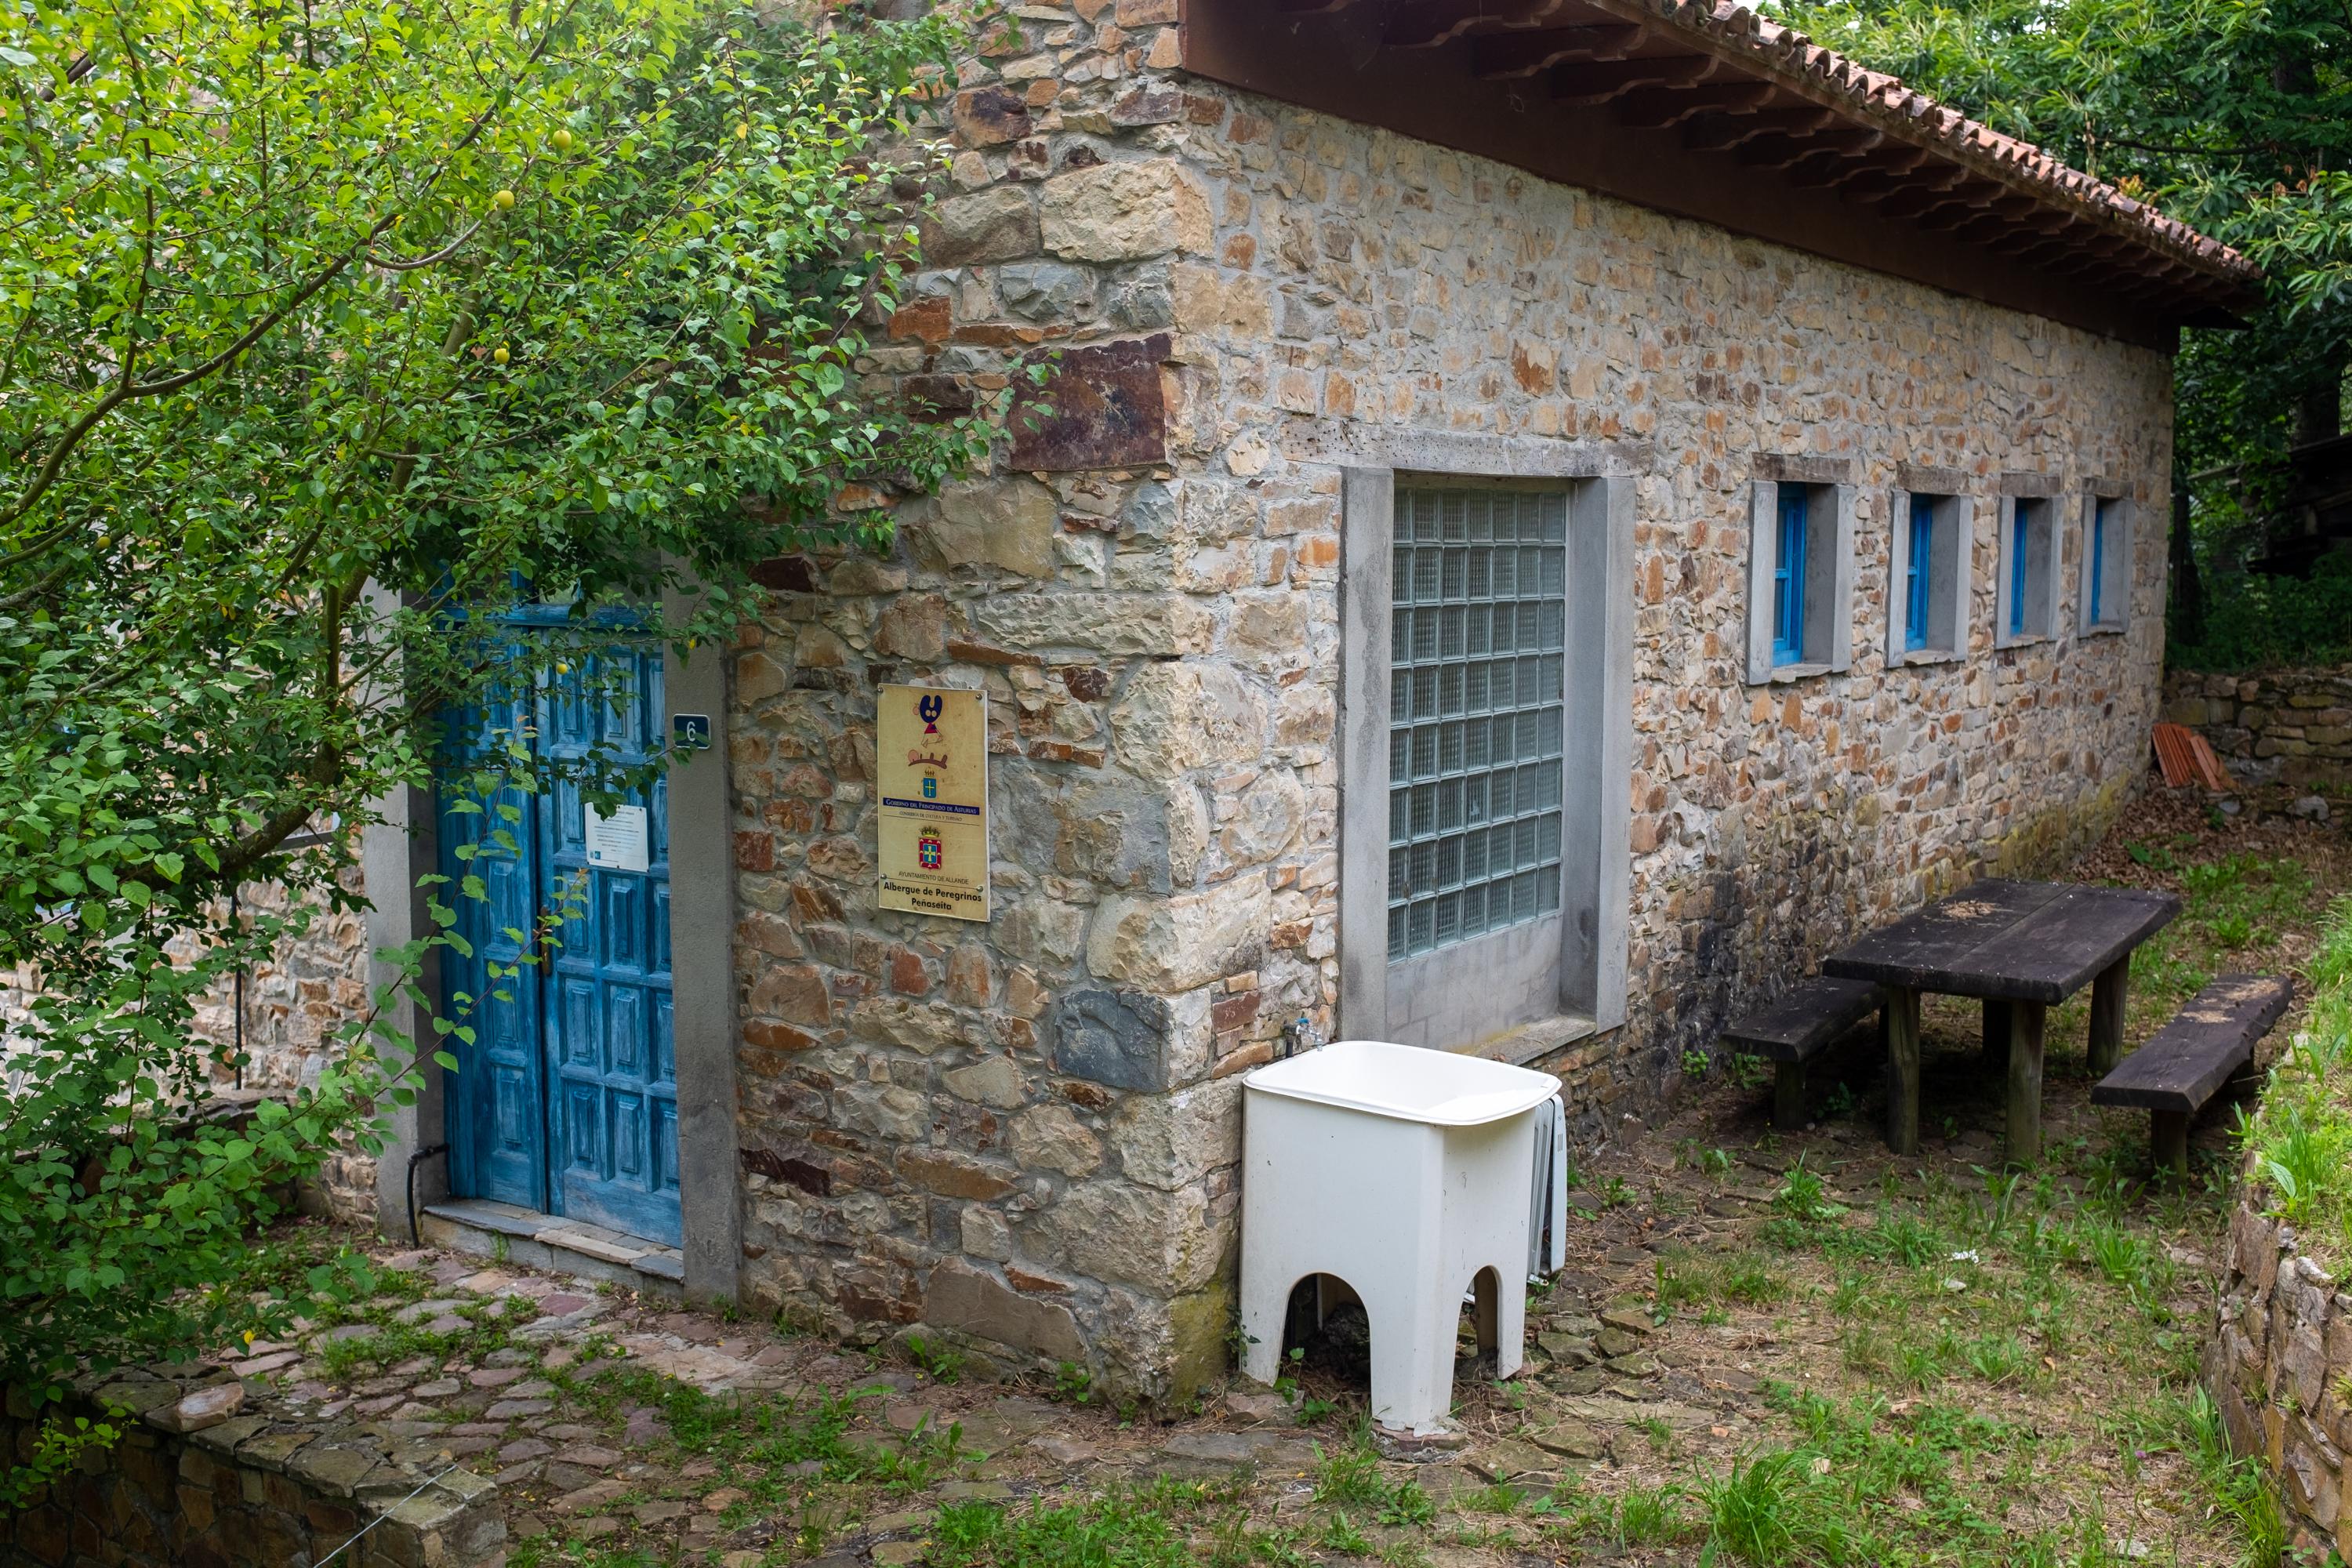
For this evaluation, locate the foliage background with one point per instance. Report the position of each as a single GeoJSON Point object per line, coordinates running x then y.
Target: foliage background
{"type": "Point", "coordinates": [326, 331]}
{"type": "Point", "coordinates": [2232, 115]}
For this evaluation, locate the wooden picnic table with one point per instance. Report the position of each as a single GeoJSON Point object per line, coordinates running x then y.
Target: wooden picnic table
{"type": "Point", "coordinates": [2023, 947]}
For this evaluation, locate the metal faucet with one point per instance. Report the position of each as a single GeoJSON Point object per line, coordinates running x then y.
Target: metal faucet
{"type": "Point", "coordinates": [1300, 1034]}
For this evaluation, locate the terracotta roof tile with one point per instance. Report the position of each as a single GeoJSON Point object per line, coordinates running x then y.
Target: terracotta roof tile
{"type": "Point", "coordinates": [1909, 115]}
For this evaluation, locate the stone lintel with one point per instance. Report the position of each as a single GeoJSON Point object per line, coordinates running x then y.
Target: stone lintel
{"type": "Point", "coordinates": [1784, 468]}
{"type": "Point", "coordinates": [1921, 479]}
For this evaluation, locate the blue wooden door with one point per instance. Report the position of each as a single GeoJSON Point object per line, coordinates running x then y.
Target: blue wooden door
{"type": "Point", "coordinates": [612, 1077]}
{"type": "Point", "coordinates": [565, 1100]}
{"type": "Point", "coordinates": [497, 1101]}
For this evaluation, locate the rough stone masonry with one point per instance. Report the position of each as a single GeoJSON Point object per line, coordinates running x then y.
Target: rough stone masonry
{"type": "Point", "coordinates": [1027, 1132]}
{"type": "Point", "coordinates": [1024, 1135]}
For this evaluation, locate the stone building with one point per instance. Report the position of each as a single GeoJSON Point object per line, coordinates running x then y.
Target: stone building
{"type": "Point", "coordinates": [1551, 514]}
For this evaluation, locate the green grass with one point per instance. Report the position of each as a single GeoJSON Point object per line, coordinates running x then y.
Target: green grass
{"type": "Point", "coordinates": [1112, 1530]}
{"type": "Point", "coordinates": [1771, 1509]}
{"type": "Point", "coordinates": [488, 1326]}
{"type": "Point", "coordinates": [1649, 1516]}
{"type": "Point", "coordinates": [1352, 1478]}
{"type": "Point", "coordinates": [1693, 1280]}
{"type": "Point", "coordinates": [2301, 1138]}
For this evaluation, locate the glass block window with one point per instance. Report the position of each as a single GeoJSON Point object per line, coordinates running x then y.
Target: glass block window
{"type": "Point", "coordinates": [1477, 639]}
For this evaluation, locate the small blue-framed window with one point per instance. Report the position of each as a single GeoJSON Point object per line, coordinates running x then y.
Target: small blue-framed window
{"type": "Point", "coordinates": [1789, 578]}
{"type": "Point", "coordinates": [1919, 573]}
{"type": "Point", "coordinates": [2098, 558]}
{"type": "Point", "coordinates": [2020, 531]}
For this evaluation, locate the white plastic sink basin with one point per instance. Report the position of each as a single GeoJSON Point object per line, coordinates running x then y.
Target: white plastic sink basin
{"type": "Point", "coordinates": [1410, 1083]}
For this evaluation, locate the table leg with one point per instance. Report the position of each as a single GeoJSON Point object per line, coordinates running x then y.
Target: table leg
{"type": "Point", "coordinates": [2168, 1136]}
{"type": "Point", "coordinates": [1995, 1035]}
{"type": "Point", "coordinates": [1902, 1070]}
{"type": "Point", "coordinates": [1789, 1097]}
{"type": "Point", "coordinates": [2107, 1015]}
{"type": "Point", "coordinates": [2025, 1021]}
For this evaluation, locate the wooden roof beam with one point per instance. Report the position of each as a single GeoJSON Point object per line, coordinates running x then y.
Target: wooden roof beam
{"type": "Point", "coordinates": [1656, 108]}
{"type": "Point", "coordinates": [2076, 262]}
{"type": "Point", "coordinates": [1869, 183]}
{"type": "Point", "coordinates": [1787, 151]}
{"type": "Point", "coordinates": [1915, 186]}
{"type": "Point", "coordinates": [1832, 167]}
{"type": "Point", "coordinates": [1884, 170]}
{"type": "Point", "coordinates": [1505, 56]}
{"type": "Point", "coordinates": [1930, 189]}
{"type": "Point", "coordinates": [1963, 204]}
{"type": "Point", "coordinates": [1726, 131]}
{"type": "Point", "coordinates": [1599, 83]}
{"type": "Point", "coordinates": [1991, 229]}
{"type": "Point", "coordinates": [1427, 24]}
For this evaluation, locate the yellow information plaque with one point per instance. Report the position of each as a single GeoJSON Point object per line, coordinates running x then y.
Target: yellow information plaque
{"type": "Point", "coordinates": [931, 754]}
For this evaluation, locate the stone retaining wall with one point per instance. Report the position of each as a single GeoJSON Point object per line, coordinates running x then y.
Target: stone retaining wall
{"type": "Point", "coordinates": [2276, 1365]}
{"type": "Point", "coordinates": [2293, 725]}
{"type": "Point", "coordinates": [202, 1479]}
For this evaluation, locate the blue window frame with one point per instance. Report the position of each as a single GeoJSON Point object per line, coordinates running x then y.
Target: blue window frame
{"type": "Point", "coordinates": [1919, 573]}
{"type": "Point", "coordinates": [2019, 529]}
{"type": "Point", "coordinates": [1788, 579]}
{"type": "Point", "coordinates": [2098, 557]}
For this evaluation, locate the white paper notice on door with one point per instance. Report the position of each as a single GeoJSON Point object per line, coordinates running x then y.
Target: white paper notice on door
{"type": "Point", "coordinates": [617, 843]}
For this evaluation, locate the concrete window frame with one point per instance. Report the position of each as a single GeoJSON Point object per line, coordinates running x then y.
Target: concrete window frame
{"type": "Point", "coordinates": [1951, 575]}
{"type": "Point", "coordinates": [2041, 495]}
{"type": "Point", "coordinates": [399, 848]}
{"type": "Point", "coordinates": [1526, 990]}
{"type": "Point", "coordinates": [2114, 561]}
{"type": "Point", "coordinates": [1828, 646]}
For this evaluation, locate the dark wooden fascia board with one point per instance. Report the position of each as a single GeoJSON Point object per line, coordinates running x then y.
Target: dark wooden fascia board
{"type": "Point", "coordinates": [1246, 45]}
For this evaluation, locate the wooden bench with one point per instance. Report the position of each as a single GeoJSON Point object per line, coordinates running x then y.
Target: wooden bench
{"type": "Point", "coordinates": [2192, 1056]}
{"type": "Point", "coordinates": [1793, 1030]}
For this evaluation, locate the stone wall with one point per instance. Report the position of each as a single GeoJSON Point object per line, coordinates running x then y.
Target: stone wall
{"type": "Point", "coordinates": [1027, 1131]}
{"type": "Point", "coordinates": [201, 1479]}
{"type": "Point", "coordinates": [293, 1002]}
{"type": "Point", "coordinates": [2281, 1349]}
{"type": "Point", "coordinates": [2292, 725]}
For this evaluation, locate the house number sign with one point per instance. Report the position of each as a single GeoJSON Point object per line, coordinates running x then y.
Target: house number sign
{"type": "Point", "coordinates": [931, 754]}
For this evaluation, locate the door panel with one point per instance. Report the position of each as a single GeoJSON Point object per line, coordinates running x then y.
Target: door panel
{"type": "Point", "coordinates": [495, 1115]}
{"type": "Point", "coordinates": [616, 1101]}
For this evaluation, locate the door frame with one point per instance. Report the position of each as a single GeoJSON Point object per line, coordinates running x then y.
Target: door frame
{"type": "Point", "coordinates": [401, 847]}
